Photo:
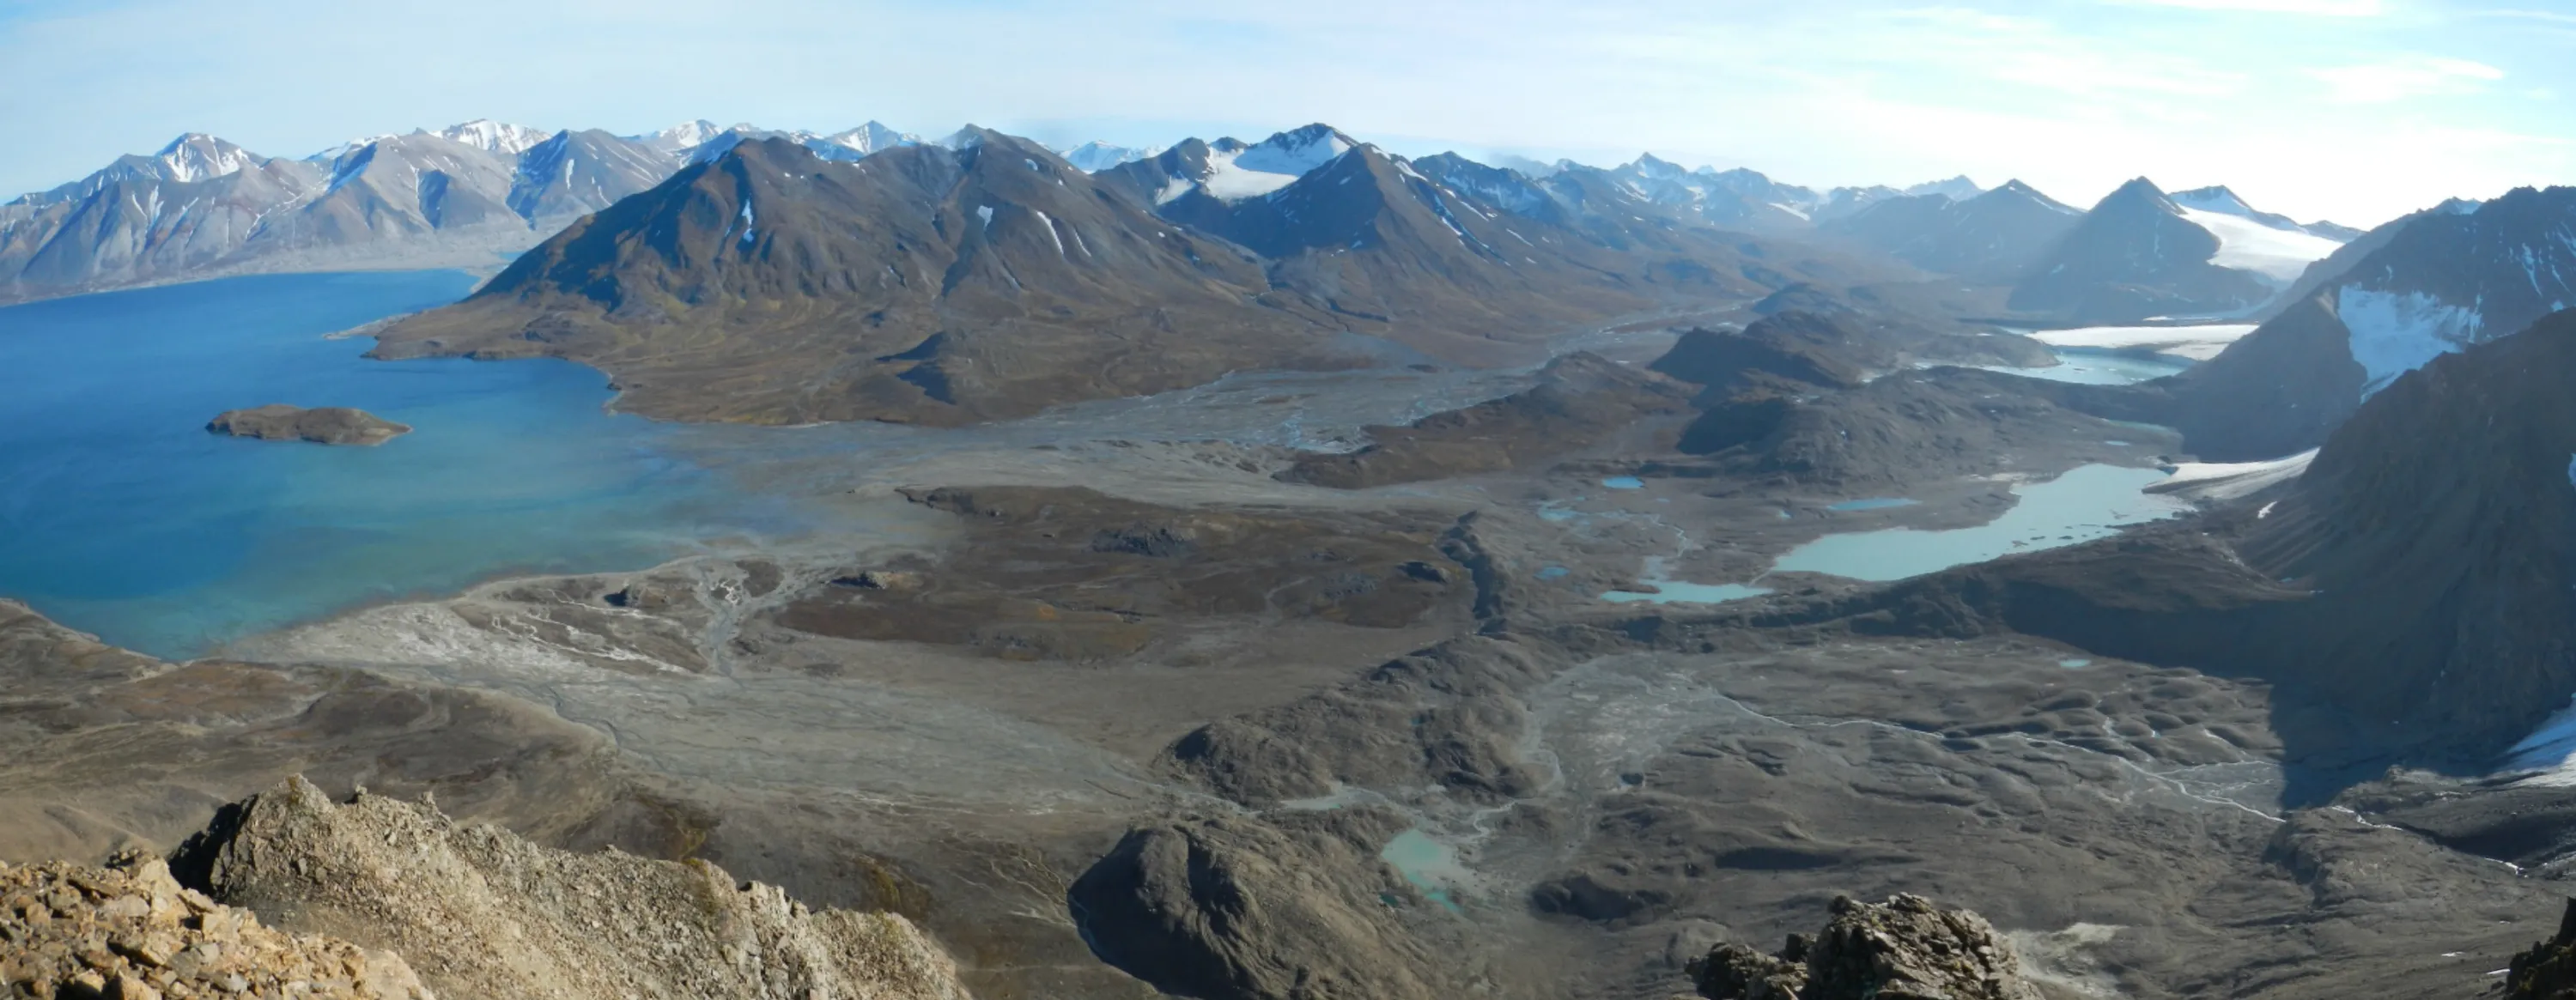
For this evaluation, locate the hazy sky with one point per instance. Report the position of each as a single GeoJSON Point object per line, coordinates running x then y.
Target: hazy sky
{"type": "Point", "coordinates": [2355, 110]}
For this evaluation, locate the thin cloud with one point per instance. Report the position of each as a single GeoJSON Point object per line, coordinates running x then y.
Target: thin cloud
{"type": "Point", "coordinates": [2318, 8]}
{"type": "Point", "coordinates": [2405, 79]}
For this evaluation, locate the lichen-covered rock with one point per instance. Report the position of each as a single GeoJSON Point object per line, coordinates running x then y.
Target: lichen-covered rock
{"type": "Point", "coordinates": [1904, 949]}
{"type": "Point", "coordinates": [481, 913]}
{"type": "Point", "coordinates": [130, 932]}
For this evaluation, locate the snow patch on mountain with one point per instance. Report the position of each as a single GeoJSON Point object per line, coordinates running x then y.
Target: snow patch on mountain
{"type": "Point", "coordinates": [684, 136]}
{"type": "Point", "coordinates": [873, 137]}
{"type": "Point", "coordinates": [1272, 164]}
{"type": "Point", "coordinates": [2247, 245]}
{"type": "Point", "coordinates": [495, 137]}
{"type": "Point", "coordinates": [2394, 333]}
{"type": "Point", "coordinates": [1095, 156]}
{"type": "Point", "coordinates": [196, 156]}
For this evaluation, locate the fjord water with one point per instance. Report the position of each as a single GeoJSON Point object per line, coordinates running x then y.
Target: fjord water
{"type": "Point", "coordinates": [121, 515]}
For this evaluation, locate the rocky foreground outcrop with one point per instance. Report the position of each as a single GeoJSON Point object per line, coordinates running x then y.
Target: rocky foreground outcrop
{"type": "Point", "coordinates": [321, 425]}
{"type": "Point", "coordinates": [2548, 970]}
{"type": "Point", "coordinates": [377, 898]}
{"type": "Point", "coordinates": [1903, 949]}
{"type": "Point", "coordinates": [130, 932]}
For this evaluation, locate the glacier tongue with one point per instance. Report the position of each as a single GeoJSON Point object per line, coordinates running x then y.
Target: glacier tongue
{"type": "Point", "coordinates": [2394, 333]}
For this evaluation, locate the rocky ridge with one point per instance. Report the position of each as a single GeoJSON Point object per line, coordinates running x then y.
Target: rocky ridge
{"type": "Point", "coordinates": [129, 931]}
{"type": "Point", "coordinates": [481, 913]}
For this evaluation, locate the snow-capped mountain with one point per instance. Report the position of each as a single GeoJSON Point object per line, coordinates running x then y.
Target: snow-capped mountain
{"type": "Point", "coordinates": [188, 159]}
{"type": "Point", "coordinates": [202, 206]}
{"type": "Point", "coordinates": [679, 139]}
{"type": "Point", "coordinates": [1995, 235]}
{"type": "Point", "coordinates": [577, 173]}
{"type": "Point", "coordinates": [1096, 156]}
{"type": "Point", "coordinates": [995, 280]}
{"type": "Point", "coordinates": [873, 137]}
{"type": "Point", "coordinates": [1228, 170]}
{"type": "Point", "coordinates": [495, 137]}
{"type": "Point", "coordinates": [2141, 254]}
{"type": "Point", "coordinates": [2439, 282]}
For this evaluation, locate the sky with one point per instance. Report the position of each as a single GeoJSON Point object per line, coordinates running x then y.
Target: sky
{"type": "Point", "coordinates": [2351, 110]}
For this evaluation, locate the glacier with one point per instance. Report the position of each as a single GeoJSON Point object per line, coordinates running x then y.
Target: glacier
{"type": "Point", "coordinates": [2246, 245]}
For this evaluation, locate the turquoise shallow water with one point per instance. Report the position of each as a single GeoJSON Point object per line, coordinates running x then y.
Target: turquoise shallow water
{"type": "Point", "coordinates": [2104, 367]}
{"type": "Point", "coordinates": [2086, 503]}
{"type": "Point", "coordinates": [121, 515]}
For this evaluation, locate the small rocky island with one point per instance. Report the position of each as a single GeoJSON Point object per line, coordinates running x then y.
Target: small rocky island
{"type": "Point", "coordinates": [321, 425]}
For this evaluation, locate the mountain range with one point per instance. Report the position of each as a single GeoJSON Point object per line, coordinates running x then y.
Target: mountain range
{"type": "Point", "coordinates": [204, 207]}
{"type": "Point", "coordinates": [986, 276]}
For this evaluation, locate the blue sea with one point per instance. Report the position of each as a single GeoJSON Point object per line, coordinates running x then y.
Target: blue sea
{"type": "Point", "coordinates": [121, 515]}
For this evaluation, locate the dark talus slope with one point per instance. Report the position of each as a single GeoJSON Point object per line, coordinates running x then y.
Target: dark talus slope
{"type": "Point", "coordinates": [1579, 399]}
{"type": "Point", "coordinates": [2132, 257]}
{"type": "Point", "coordinates": [1993, 236]}
{"type": "Point", "coordinates": [922, 284]}
{"type": "Point", "coordinates": [2440, 281]}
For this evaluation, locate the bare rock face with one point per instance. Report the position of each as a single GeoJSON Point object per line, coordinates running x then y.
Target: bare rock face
{"type": "Point", "coordinates": [323, 425]}
{"type": "Point", "coordinates": [1903, 949]}
{"type": "Point", "coordinates": [129, 931]}
{"type": "Point", "coordinates": [481, 913]}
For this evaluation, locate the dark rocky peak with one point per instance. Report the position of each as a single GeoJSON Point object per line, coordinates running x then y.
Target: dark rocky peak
{"type": "Point", "coordinates": [1651, 166]}
{"type": "Point", "coordinates": [2138, 195]}
{"type": "Point", "coordinates": [2016, 191]}
{"type": "Point", "coordinates": [1903, 949]}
